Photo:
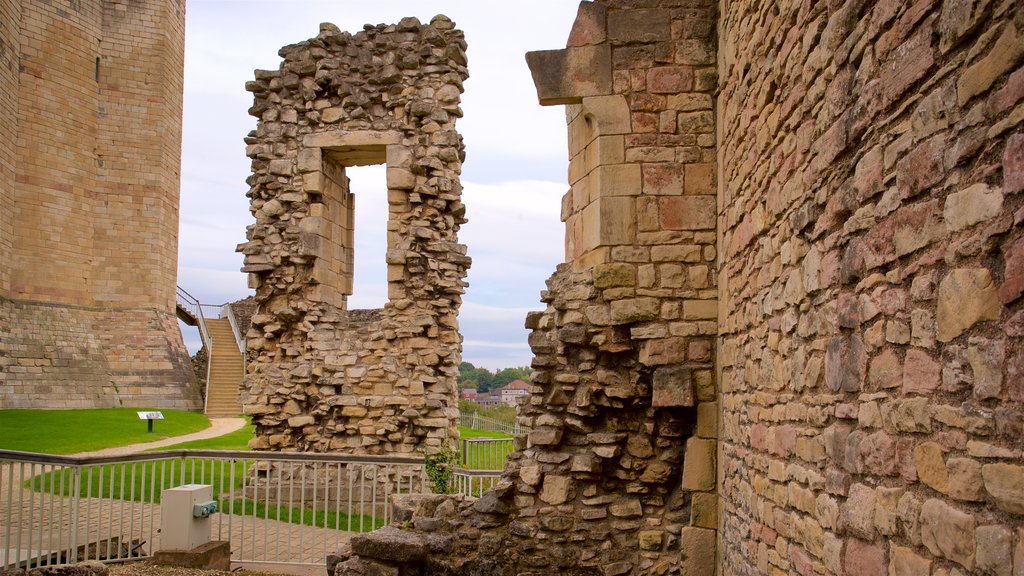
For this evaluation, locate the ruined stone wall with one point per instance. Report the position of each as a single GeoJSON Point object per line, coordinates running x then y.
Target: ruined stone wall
{"type": "Point", "coordinates": [88, 228]}
{"type": "Point", "coordinates": [617, 475]}
{"type": "Point", "coordinates": [322, 377]}
{"type": "Point", "coordinates": [870, 348]}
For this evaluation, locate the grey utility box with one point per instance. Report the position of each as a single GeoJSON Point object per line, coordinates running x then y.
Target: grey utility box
{"type": "Point", "coordinates": [185, 516]}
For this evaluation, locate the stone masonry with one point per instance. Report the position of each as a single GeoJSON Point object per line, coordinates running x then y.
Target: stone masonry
{"type": "Point", "coordinates": [617, 475]}
{"type": "Point", "coordinates": [90, 134]}
{"type": "Point", "coordinates": [787, 337]}
{"type": "Point", "coordinates": [870, 340]}
{"type": "Point", "coordinates": [322, 377]}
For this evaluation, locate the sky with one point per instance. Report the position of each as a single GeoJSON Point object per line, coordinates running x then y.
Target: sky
{"type": "Point", "coordinates": [514, 175]}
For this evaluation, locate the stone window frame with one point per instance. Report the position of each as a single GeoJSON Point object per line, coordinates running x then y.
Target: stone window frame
{"type": "Point", "coordinates": [360, 148]}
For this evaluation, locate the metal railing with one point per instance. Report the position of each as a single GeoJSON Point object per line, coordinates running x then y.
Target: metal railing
{"type": "Point", "coordinates": [478, 422]}
{"type": "Point", "coordinates": [273, 507]}
{"type": "Point", "coordinates": [485, 453]}
{"type": "Point", "coordinates": [227, 312]}
{"type": "Point", "coordinates": [474, 482]}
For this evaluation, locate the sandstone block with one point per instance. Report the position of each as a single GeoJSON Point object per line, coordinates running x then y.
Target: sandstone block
{"type": "Point", "coordinates": [650, 539]}
{"type": "Point", "coordinates": [904, 562]}
{"type": "Point", "coordinates": [614, 275]}
{"type": "Point", "coordinates": [661, 351]}
{"type": "Point", "coordinates": [697, 551]}
{"type": "Point", "coordinates": [635, 310]}
{"type": "Point", "coordinates": [957, 19]}
{"type": "Point", "coordinates": [672, 386]}
{"type": "Point", "coordinates": [647, 25]}
{"type": "Point", "coordinates": [966, 296]}
{"type": "Point", "coordinates": [948, 532]}
{"type": "Point", "coordinates": [670, 79]}
{"type": "Point", "coordinates": [1004, 54]}
{"type": "Point", "coordinates": [845, 364]}
{"type": "Point", "coordinates": [391, 544]}
{"type": "Point", "coordinates": [1013, 165]}
{"type": "Point", "coordinates": [687, 212]}
{"type": "Point", "coordinates": [626, 508]}
{"type": "Point", "coordinates": [863, 559]}
{"type": "Point", "coordinates": [965, 480]}
{"type": "Point", "coordinates": [699, 465]}
{"type": "Point", "coordinates": [589, 28]}
{"type": "Point", "coordinates": [921, 374]}
{"type": "Point", "coordinates": [994, 550]}
{"type": "Point", "coordinates": [931, 468]}
{"type": "Point", "coordinates": [1013, 272]}
{"type": "Point", "coordinates": [566, 76]}
{"type": "Point", "coordinates": [704, 510]}
{"type": "Point", "coordinates": [1004, 484]}
{"type": "Point", "coordinates": [557, 489]}
{"type": "Point", "coordinates": [858, 512]}
{"type": "Point", "coordinates": [987, 358]}
{"type": "Point", "coordinates": [974, 204]}
{"type": "Point", "coordinates": [616, 179]}
{"type": "Point", "coordinates": [662, 179]}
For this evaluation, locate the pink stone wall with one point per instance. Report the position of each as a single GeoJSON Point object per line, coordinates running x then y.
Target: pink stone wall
{"type": "Point", "coordinates": [870, 338]}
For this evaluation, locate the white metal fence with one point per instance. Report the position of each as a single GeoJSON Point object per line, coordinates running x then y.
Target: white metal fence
{"type": "Point", "coordinates": [478, 422]}
{"type": "Point", "coordinates": [272, 507]}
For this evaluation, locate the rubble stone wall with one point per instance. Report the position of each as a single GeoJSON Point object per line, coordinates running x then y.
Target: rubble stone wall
{"type": "Point", "coordinates": [322, 377]}
{"type": "Point", "coordinates": [89, 175]}
{"type": "Point", "coordinates": [618, 473]}
{"type": "Point", "coordinates": [870, 348]}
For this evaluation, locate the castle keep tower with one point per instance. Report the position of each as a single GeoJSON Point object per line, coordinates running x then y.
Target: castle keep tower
{"type": "Point", "coordinates": [90, 136]}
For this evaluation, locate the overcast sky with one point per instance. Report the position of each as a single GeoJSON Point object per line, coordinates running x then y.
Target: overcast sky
{"type": "Point", "coordinates": [513, 177]}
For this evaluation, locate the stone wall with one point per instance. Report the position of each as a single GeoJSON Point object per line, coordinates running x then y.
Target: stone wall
{"type": "Point", "coordinates": [88, 226]}
{"type": "Point", "coordinates": [870, 348]}
{"type": "Point", "coordinates": [617, 475]}
{"type": "Point", "coordinates": [322, 377]}
{"type": "Point", "coordinates": [10, 46]}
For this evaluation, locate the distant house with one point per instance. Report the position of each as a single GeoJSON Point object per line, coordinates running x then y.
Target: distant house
{"type": "Point", "coordinates": [514, 392]}
{"type": "Point", "coordinates": [468, 394]}
{"type": "Point", "coordinates": [492, 398]}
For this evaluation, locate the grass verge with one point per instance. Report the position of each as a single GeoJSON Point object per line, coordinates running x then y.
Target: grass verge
{"type": "Point", "coordinates": [73, 431]}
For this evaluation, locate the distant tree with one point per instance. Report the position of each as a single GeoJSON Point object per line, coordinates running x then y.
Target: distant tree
{"type": "Point", "coordinates": [506, 375]}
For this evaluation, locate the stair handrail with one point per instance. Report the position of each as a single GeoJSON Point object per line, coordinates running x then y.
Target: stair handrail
{"type": "Point", "coordinates": [193, 306]}
{"type": "Point", "coordinates": [227, 312]}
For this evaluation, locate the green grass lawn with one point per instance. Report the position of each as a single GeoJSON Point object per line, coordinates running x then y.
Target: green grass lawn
{"type": "Point", "coordinates": [72, 431]}
{"type": "Point", "coordinates": [472, 433]}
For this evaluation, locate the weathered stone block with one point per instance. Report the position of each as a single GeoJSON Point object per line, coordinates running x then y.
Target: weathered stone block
{"type": "Point", "coordinates": [864, 559]}
{"type": "Point", "coordinates": [1003, 482]}
{"type": "Point", "coordinates": [966, 296]}
{"type": "Point", "coordinates": [672, 386]}
{"type": "Point", "coordinates": [697, 551]}
{"type": "Point", "coordinates": [994, 550]}
{"type": "Point", "coordinates": [948, 532]}
{"type": "Point", "coordinates": [974, 204]}
{"type": "Point", "coordinates": [635, 310]}
{"type": "Point", "coordinates": [566, 76]}
{"type": "Point", "coordinates": [699, 465]}
{"type": "Point", "coordinates": [556, 489]}
{"type": "Point", "coordinates": [391, 544]}
{"type": "Point", "coordinates": [687, 212]}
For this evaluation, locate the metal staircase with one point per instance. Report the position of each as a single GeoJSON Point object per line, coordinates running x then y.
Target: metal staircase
{"type": "Point", "coordinates": [224, 344]}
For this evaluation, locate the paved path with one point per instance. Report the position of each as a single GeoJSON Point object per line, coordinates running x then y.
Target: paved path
{"type": "Point", "coordinates": [218, 427]}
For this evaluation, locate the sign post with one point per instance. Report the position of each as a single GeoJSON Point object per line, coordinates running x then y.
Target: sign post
{"type": "Point", "coordinates": [149, 417]}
